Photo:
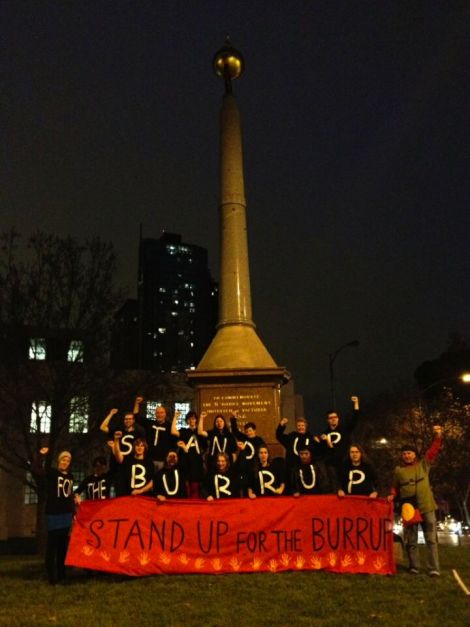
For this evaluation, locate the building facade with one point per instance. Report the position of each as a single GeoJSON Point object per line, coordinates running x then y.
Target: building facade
{"type": "Point", "coordinates": [171, 323]}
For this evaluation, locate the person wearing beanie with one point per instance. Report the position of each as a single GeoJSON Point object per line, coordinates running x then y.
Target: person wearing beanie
{"type": "Point", "coordinates": [412, 487]}
{"type": "Point", "coordinates": [59, 511]}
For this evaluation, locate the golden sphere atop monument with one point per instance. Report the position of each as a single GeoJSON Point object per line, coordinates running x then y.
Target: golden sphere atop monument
{"type": "Point", "coordinates": [228, 63]}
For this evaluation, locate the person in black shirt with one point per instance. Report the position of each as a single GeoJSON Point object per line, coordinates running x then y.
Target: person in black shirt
{"type": "Point", "coordinates": [248, 444]}
{"type": "Point", "coordinates": [335, 441]}
{"type": "Point", "coordinates": [135, 474]}
{"type": "Point", "coordinates": [96, 486]}
{"type": "Point", "coordinates": [157, 432]}
{"type": "Point", "coordinates": [59, 511]}
{"type": "Point", "coordinates": [219, 440]}
{"type": "Point", "coordinates": [267, 479]}
{"type": "Point", "coordinates": [292, 442]}
{"type": "Point", "coordinates": [308, 477]}
{"type": "Point", "coordinates": [192, 446]}
{"type": "Point", "coordinates": [168, 482]}
{"type": "Point", "coordinates": [357, 475]}
{"type": "Point", "coordinates": [221, 482]}
{"type": "Point", "coordinates": [129, 431]}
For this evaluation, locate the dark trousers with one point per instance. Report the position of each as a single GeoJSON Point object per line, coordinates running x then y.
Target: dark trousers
{"type": "Point", "coordinates": [56, 550]}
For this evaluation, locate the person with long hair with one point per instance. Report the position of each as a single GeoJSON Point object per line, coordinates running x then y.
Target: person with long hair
{"type": "Point", "coordinates": [135, 473]}
{"type": "Point", "coordinates": [267, 478]}
{"type": "Point", "coordinates": [221, 482]}
{"type": "Point", "coordinates": [357, 476]}
{"type": "Point", "coordinates": [219, 439]}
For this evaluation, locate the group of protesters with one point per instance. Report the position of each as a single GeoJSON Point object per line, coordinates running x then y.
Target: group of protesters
{"type": "Point", "coordinates": [160, 458]}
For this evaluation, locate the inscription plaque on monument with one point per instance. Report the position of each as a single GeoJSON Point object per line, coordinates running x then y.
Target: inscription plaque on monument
{"type": "Point", "coordinates": [251, 403]}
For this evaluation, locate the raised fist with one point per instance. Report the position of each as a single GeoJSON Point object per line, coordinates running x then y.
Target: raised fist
{"type": "Point", "coordinates": [283, 422]}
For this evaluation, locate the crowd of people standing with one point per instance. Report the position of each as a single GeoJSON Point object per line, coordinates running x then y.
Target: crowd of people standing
{"type": "Point", "coordinates": [159, 458]}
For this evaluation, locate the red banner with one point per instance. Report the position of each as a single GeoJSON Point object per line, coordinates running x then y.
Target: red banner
{"type": "Point", "coordinates": [141, 536]}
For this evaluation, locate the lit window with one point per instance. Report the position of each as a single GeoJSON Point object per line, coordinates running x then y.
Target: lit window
{"type": "Point", "coordinates": [174, 313]}
{"type": "Point", "coordinates": [30, 494]}
{"type": "Point", "coordinates": [37, 348]}
{"type": "Point", "coordinates": [191, 344]}
{"type": "Point", "coordinates": [162, 330]}
{"type": "Point", "coordinates": [177, 302]}
{"type": "Point", "coordinates": [78, 422]}
{"type": "Point", "coordinates": [40, 417]}
{"type": "Point", "coordinates": [151, 407]}
{"type": "Point", "coordinates": [183, 408]}
{"type": "Point", "coordinates": [75, 352]}
{"type": "Point", "coordinates": [162, 290]}
{"type": "Point", "coordinates": [181, 332]}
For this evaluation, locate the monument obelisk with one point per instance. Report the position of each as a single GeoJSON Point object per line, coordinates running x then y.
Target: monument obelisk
{"type": "Point", "coordinates": [237, 372]}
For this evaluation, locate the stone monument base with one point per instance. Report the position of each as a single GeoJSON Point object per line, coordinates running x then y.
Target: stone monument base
{"type": "Point", "coordinates": [253, 394]}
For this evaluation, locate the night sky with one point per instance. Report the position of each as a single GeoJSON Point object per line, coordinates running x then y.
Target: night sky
{"type": "Point", "coordinates": [354, 118]}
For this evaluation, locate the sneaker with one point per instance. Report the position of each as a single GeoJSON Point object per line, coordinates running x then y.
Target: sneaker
{"type": "Point", "coordinates": [413, 571]}
{"type": "Point", "coordinates": [434, 573]}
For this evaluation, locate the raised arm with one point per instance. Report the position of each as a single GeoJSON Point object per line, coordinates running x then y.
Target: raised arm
{"type": "Point", "coordinates": [280, 432]}
{"type": "Point", "coordinates": [200, 425]}
{"type": "Point", "coordinates": [435, 447]}
{"type": "Point", "coordinates": [37, 467]}
{"type": "Point", "coordinates": [137, 403]}
{"type": "Point", "coordinates": [234, 426]}
{"type": "Point", "coordinates": [174, 430]}
{"type": "Point", "coordinates": [105, 424]}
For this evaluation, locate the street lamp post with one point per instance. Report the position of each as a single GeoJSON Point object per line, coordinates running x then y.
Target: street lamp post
{"type": "Point", "coordinates": [331, 360]}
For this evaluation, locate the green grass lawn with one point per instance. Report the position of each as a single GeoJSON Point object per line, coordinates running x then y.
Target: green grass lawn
{"type": "Point", "coordinates": [307, 598]}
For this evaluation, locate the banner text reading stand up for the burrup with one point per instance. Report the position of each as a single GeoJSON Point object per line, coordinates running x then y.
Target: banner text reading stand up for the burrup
{"type": "Point", "coordinates": [142, 536]}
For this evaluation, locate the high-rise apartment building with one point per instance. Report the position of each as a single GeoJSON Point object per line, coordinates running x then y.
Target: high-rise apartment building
{"type": "Point", "coordinates": [172, 322]}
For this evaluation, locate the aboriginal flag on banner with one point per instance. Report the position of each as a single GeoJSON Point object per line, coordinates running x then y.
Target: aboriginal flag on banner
{"type": "Point", "coordinates": [138, 535]}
